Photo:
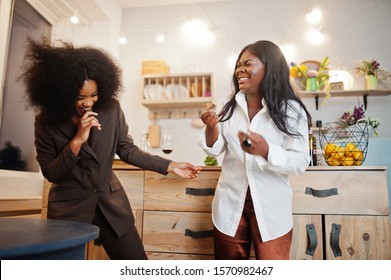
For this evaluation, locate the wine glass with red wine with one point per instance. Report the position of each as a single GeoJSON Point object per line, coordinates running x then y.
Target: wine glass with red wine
{"type": "Point", "coordinates": [166, 144]}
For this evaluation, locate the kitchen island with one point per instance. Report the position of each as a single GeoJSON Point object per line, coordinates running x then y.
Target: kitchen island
{"type": "Point", "coordinates": [339, 213]}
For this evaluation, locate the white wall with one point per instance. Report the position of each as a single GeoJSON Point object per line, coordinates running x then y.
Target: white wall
{"type": "Point", "coordinates": [102, 34]}
{"type": "Point", "coordinates": [355, 30]}
{"type": "Point", "coordinates": [5, 19]}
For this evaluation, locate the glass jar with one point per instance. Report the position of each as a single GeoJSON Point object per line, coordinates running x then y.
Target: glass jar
{"type": "Point", "coordinates": [144, 142]}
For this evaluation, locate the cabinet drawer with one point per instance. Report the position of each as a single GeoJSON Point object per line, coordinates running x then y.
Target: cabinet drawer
{"type": "Point", "coordinates": [20, 206]}
{"type": "Point", "coordinates": [356, 192]}
{"type": "Point", "coordinates": [168, 256]}
{"type": "Point", "coordinates": [173, 193]}
{"type": "Point", "coordinates": [169, 232]}
{"type": "Point", "coordinates": [133, 184]}
{"type": "Point", "coordinates": [357, 237]}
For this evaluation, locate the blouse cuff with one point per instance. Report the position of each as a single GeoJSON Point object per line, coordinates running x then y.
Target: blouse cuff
{"type": "Point", "coordinates": [217, 147]}
{"type": "Point", "coordinates": [276, 157]}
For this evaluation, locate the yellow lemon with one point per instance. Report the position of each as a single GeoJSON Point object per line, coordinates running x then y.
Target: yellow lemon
{"type": "Point", "coordinates": [338, 153]}
{"type": "Point", "coordinates": [347, 161]}
{"type": "Point", "coordinates": [328, 149]}
{"type": "Point", "coordinates": [333, 162]}
{"type": "Point", "coordinates": [358, 162]}
{"type": "Point", "coordinates": [358, 155]}
{"type": "Point", "coordinates": [326, 156]}
{"type": "Point", "coordinates": [349, 149]}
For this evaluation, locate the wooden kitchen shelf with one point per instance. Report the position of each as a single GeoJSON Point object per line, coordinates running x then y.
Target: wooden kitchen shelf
{"type": "Point", "coordinates": [344, 93]}
{"type": "Point", "coordinates": [177, 96]}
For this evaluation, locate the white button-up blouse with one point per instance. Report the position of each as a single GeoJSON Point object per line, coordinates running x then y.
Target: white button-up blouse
{"type": "Point", "coordinates": [267, 178]}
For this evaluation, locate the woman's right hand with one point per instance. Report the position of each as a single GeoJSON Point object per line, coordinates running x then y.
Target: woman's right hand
{"type": "Point", "coordinates": [184, 169]}
{"type": "Point", "coordinates": [211, 119]}
{"type": "Point", "coordinates": [87, 121]}
{"type": "Point", "coordinates": [209, 116]}
{"type": "Point", "coordinates": [84, 125]}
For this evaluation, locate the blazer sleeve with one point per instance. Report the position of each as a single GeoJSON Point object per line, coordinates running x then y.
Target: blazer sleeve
{"type": "Point", "coordinates": [132, 154]}
{"type": "Point", "coordinates": [55, 165]}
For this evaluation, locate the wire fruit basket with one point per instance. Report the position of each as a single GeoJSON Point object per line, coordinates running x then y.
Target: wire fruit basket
{"type": "Point", "coordinates": [344, 146]}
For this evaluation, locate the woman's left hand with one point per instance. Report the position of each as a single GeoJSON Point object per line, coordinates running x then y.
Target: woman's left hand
{"type": "Point", "coordinates": [258, 145]}
{"type": "Point", "coordinates": [184, 169]}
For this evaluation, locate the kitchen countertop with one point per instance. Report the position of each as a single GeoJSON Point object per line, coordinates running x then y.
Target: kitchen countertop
{"type": "Point", "coordinates": [120, 165]}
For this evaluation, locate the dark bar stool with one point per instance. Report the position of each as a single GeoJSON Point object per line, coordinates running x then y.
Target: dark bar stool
{"type": "Point", "coordinates": [35, 239]}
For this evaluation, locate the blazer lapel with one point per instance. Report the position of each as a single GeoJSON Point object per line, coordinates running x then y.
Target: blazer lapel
{"type": "Point", "coordinates": [68, 128]}
{"type": "Point", "coordinates": [96, 134]}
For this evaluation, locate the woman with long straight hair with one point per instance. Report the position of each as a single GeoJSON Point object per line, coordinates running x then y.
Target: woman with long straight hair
{"type": "Point", "coordinates": [262, 129]}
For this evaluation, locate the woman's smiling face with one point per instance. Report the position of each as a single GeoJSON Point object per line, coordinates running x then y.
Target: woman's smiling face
{"type": "Point", "coordinates": [87, 97]}
{"type": "Point", "coordinates": [249, 72]}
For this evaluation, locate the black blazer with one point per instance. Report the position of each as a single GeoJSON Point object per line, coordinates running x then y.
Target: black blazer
{"type": "Point", "coordinates": [80, 183]}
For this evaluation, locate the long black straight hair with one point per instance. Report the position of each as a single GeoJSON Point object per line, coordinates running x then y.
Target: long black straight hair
{"type": "Point", "coordinates": [275, 87]}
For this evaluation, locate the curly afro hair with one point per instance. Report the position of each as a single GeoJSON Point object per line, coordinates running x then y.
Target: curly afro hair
{"type": "Point", "coordinates": [54, 75]}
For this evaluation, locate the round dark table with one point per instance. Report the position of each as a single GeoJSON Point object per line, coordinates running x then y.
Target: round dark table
{"type": "Point", "coordinates": [35, 239]}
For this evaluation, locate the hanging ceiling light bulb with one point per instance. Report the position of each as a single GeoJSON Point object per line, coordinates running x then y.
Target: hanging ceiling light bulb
{"type": "Point", "coordinates": [160, 38]}
{"type": "Point", "coordinates": [314, 16]}
{"type": "Point", "coordinates": [74, 18]}
{"type": "Point", "coordinates": [315, 36]}
{"type": "Point", "coordinates": [197, 32]}
{"type": "Point", "coordinates": [122, 39]}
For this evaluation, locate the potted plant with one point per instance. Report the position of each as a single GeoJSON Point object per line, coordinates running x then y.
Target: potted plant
{"type": "Point", "coordinates": [350, 118]}
{"type": "Point", "coordinates": [369, 68]}
{"type": "Point", "coordinates": [313, 79]}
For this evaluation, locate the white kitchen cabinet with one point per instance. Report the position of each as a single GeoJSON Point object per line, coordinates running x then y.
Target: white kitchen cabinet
{"type": "Point", "coordinates": [341, 213]}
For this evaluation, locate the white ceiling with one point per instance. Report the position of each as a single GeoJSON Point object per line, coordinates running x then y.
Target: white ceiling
{"type": "Point", "coordinates": [89, 10]}
{"type": "Point", "coordinates": [54, 10]}
{"type": "Point", "coordinates": [150, 3]}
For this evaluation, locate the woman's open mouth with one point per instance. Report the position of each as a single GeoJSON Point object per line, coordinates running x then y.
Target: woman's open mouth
{"type": "Point", "coordinates": [85, 110]}
{"type": "Point", "coordinates": [243, 79]}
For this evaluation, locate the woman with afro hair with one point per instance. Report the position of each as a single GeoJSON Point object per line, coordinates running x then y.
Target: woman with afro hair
{"type": "Point", "coordinates": [79, 127]}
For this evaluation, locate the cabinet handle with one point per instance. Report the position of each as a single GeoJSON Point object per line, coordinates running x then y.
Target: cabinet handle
{"type": "Point", "coordinates": [200, 192]}
{"type": "Point", "coordinates": [313, 239]}
{"type": "Point", "coordinates": [321, 193]}
{"type": "Point", "coordinates": [198, 234]}
{"type": "Point", "coordinates": [334, 241]}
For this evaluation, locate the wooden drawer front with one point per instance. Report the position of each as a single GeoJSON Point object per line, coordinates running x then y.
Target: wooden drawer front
{"type": "Point", "coordinates": [95, 252]}
{"type": "Point", "coordinates": [360, 237]}
{"type": "Point", "coordinates": [133, 183]}
{"type": "Point", "coordinates": [167, 256]}
{"type": "Point", "coordinates": [165, 232]}
{"type": "Point", "coordinates": [20, 206]}
{"type": "Point", "coordinates": [177, 194]}
{"type": "Point", "coordinates": [302, 243]}
{"type": "Point", "coordinates": [360, 192]}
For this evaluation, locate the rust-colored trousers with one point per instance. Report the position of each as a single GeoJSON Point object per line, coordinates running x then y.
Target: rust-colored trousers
{"type": "Point", "coordinates": [238, 247]}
